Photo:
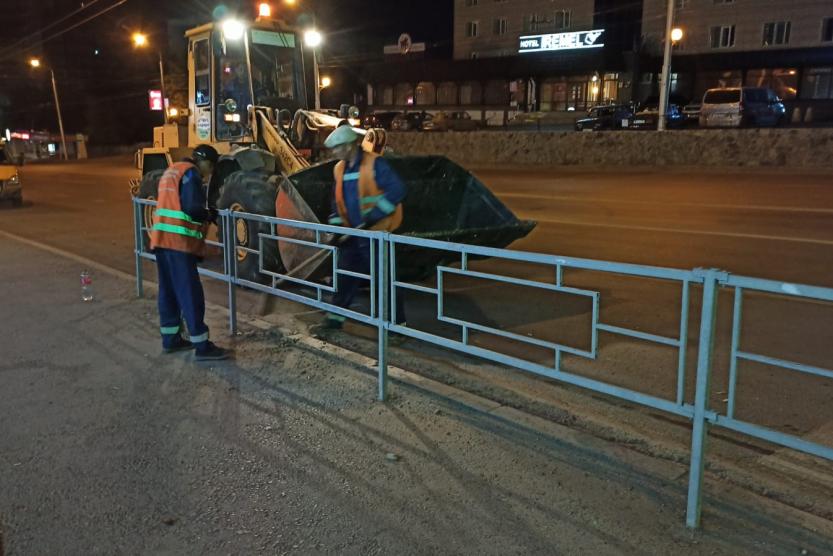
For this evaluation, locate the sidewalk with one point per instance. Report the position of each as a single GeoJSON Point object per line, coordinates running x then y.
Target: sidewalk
{"type": "Point", "coordinates": [108, 446]}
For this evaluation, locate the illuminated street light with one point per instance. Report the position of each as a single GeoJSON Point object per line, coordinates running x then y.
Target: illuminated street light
{"type": "Point", "coordinates": [290, 2]}
{"type": "Point", "coordinates": [35, 63]}
{"type": "Point", "coordinates": [233, 29]}
{"type": "Point", "coordinates": [140, 39]}
{"type": "Point", "coordinates": [326, 82]}
{"type": "Point", "coordinates": [676, 34]}
{"type": "Point", "coordinates": [173, 112]}
{"type": "Point", "coordinates": [313, 38]}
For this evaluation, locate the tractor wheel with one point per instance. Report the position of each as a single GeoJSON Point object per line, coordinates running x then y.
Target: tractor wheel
{"type": "Point", "coordinates": [149, 189]}
{"type": "Point", "coordinates": [251, 192]}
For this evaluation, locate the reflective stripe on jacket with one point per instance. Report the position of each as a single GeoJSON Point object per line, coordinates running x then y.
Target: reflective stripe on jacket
{"type": "Point", "coordinates": [172, 228]}
{"type": "Point", "coordinates": [370, 195]}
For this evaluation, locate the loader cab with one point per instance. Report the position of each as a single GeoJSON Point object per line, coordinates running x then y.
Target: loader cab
{"type": "Point", "coordinates": [228, 72]}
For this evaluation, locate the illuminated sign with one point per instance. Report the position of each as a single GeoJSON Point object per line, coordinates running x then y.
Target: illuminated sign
{"type": "Point", "coordinates": [155, 100]}
{"type": "Point", "coordinates": [562, 41]}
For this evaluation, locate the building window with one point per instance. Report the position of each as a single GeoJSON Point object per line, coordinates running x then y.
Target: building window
{"type": "Point", "coordinates": [827, 29]}
{"type": "Point", "coordinates": [470, 3]}
{"type": "Point", "coordinates": [387, 95]}
{"type": "Point", "coordinates": [534, 22]}
{"type": "Point", "coordinates": [474, 55]}
{"type": "Point", "coordinates": [500, 26]}
{"type": "Point", "coordinates": [562, 19]}
{"type": "Point", "coordinates": [447, 93]}
{"type": "Point", "coordinates": [776, 33]}
{"type": "Point", "coordinates": [784, 81]}
{"type": "Point", "coordinates": [471, 28]}
{"type": "Point", "coordinates": [471, 93]}
{"type": "Point", "coordinates": [722, 36]}
{"type": "Point", "coordinates": [403, 94]}
{"type": "Point", "coordinates": [426, 93]}
{"type": "Point", "coordinates": [817, 83]}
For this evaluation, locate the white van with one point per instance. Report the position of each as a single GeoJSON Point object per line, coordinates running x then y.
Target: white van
{"type": "Point", "coordinates": [741, 107]}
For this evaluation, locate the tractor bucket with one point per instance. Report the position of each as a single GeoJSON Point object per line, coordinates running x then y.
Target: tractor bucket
{"type": "Point", "coordinates": [444, 202]}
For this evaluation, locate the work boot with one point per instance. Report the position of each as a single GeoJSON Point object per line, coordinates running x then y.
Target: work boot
{"type": "Point", "coordinates": [178, 343]}
{"type": "Point", "coordinates": [210, 352]}
{"type": "Point", "coordinates": [329, 324]}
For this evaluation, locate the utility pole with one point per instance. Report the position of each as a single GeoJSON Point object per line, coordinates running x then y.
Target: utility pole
{"type": "Point", "coordinates": [162, 86]}
{"type": "Point", "coordinates": [665, 80]}
{"type": "Point", "coordinates": [60, 119]}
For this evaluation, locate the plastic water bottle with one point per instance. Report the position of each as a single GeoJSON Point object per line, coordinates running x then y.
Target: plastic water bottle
{"type": "Point", "coordinates": [86, 286]}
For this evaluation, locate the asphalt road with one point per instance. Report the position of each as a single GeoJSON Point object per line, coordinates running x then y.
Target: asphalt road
{"type": "Point", "coordinates": [763, 224]}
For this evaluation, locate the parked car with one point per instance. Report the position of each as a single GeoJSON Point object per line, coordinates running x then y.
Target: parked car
{"type": "Point", "coordinates": [741, 107]}
{"type": "Point", "coordinates": [604, 117]}
{"type": "Point", "coordinates": [10, 187]}
{"type": "Point", "coordinates": [379, 120]}
{"type": "Point", "coordinates": [691, 113]}
{"type": "Point", "coordinates": [454, 121]}
{"type": "Point", "coordinates": [647, 115]}
{"type": "Point", "coordinates": [410, 121]}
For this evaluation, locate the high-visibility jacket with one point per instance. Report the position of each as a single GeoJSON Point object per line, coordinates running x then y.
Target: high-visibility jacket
{"type": "Point", "coordinates": [370, 195]}
{"type": "Point", "coordinates": [172, 228]}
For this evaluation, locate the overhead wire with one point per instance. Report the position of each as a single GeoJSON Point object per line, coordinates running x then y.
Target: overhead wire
{"type": "Point", "coordinates": [28, 37]}
{"type": "Point", "coordinates": [66, 30]}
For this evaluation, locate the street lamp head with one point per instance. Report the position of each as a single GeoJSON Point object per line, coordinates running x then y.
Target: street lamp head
{"type": "Point", "coordinates": [34, 62]}
{"type": "Point", "coordinates": [677, 34]}
{"type": "Point", "coordinates": [233, 29]}
{"type": "Point", "coordinates": [313, 38]}
{"type": "Point", "coordinates": [326, 82]}
{"type": "Point", "coordinates": [140, 39]}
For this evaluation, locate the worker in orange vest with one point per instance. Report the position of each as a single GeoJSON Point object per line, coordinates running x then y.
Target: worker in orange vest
{"type": "Point", "coordinates": [177, 238]}
{"type": "Point", "coordinates": [368, 194]}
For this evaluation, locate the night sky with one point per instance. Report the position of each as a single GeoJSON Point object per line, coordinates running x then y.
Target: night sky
{"type": "Point", "coordinates": [102, 79]}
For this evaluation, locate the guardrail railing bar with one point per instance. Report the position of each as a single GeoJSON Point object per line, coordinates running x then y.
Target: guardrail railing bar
{"type": "Point", "coordinates": [737, 317]}
{"type": "Point", "coordinates": [798, 367]}
{"type": "Point", "coordinates": [781, 288]}
{"type": "Point", "coordinates": [775, 437]}
{"type": "Point", "coordinates": [138, 250]}
{"type": "Point", "coordinates": [654, 338]}
{"type": "Point", "coordinates": [384, 313]}
{"type": "Point", "coordinates": [699, 431]}
{"type": "Point", "coordinates": [683, 345]}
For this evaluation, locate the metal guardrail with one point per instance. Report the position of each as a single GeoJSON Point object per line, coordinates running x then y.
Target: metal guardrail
{"type": "Point", "coordinates": [383, 278]}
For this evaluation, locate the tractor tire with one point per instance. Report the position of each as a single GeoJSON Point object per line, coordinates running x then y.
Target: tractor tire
{"type": "Point", "coordinates": [251, 192]}
{"type": "Point", "coordinates": [149, 189]}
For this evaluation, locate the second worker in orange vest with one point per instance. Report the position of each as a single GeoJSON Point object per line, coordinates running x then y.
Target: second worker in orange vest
{"type": "Point", "coordinates": [368, 194]}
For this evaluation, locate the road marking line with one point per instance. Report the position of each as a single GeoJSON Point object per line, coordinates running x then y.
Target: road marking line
{"type": "Point", "coordinates": [691, 232]}
{"type": "Point", "coordinates": [669, 204]}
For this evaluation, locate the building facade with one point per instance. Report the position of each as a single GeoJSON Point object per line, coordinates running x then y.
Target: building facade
{"type": "Point", "coordinates": [569, 55]}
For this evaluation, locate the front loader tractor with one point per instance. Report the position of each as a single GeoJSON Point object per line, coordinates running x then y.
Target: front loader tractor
{"type": "Point", "coordinates": [247, 98]}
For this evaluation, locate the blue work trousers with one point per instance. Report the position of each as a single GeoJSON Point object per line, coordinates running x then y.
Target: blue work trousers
{"type": "Point", "coordinates": [180, 297]}
{"type": "Point", "coordinates": [354, 256]}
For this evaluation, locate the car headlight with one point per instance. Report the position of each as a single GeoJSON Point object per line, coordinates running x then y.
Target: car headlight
{"type": "Point", "coordinates": [14, 180]}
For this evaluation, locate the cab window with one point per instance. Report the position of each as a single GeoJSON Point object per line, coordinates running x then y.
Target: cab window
{"type": "Point", "coordinates": [202, 73]}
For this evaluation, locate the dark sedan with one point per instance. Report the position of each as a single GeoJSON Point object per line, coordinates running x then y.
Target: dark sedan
{"type": "Point", "coordinates": [604, 117]}
{"type": "Point", "coordinates": [648, 116]}
{"type": "Point", "coordinates": [411, 121]}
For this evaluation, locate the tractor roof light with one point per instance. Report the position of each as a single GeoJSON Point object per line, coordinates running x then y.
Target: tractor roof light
{"type": "Point", "coordinates": [313, 38]}
{"type": "Point", "coordinates": [233, 29]}
{"type": "Point", "coordinates": [264, 10]}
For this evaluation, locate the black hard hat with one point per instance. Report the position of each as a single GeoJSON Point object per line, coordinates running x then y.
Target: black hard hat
{"type": "Point", "coordinates": [206, 152]}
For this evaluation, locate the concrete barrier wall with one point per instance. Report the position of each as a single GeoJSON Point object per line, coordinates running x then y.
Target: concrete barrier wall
{"type": "Point", "coordinates": [794, 148]}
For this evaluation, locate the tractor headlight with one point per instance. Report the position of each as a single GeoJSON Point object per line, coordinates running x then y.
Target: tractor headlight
{"type": "Point", "coordinates": [14, 180]}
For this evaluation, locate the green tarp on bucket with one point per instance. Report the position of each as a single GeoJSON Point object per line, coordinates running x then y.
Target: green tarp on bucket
{"type": "Point", "coordinates": [444, 202]}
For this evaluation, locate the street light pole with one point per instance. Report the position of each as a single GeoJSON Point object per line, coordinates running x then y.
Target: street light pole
{"type": "Point", "coordinates": [665, 84]}
{"type": "Point", "coordinates": [60, 119]}
{"type": "Point", "coordinates": [317, 79]}
{"type": "Point", "coordinates": [162, 86]}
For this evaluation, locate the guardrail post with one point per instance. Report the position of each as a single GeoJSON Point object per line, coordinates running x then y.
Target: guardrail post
{"type": "Point", "coordinates": [138, 243]}
{"type": "Point", "coordinates": [699, 431]}
{"type": "Point", "coordinates": [383, 304]}
{"type": "Point", "coordinates": [230, 254]}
